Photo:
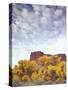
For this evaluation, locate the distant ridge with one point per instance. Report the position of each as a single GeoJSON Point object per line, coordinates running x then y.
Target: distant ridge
{"type": "Point", "coordinates": [37, 54]}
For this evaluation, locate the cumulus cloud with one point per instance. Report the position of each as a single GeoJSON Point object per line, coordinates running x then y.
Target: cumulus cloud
{"type": "Point", "coordinates": [37, 27]}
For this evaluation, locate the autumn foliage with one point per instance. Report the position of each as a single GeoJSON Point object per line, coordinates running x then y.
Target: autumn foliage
{"type": "Point", "coordinates": [44, 70]}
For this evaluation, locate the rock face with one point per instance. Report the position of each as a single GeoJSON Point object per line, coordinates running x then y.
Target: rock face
{"type": "Point", "coordinates": [63, 56]}
{"type": "Point", "coordinates": [35, 55]}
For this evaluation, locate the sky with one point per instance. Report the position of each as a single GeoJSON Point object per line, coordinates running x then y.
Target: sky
{"type": "Point", "coordinates": [37, 28]}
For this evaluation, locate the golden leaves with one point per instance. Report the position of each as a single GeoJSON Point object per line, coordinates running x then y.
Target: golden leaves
{"type": "Point", "coordinates": [25, 78]}
{"type": "Point", "coordinates": [45, 68]}
{"type": "Point", "coordinates": [34, 76]}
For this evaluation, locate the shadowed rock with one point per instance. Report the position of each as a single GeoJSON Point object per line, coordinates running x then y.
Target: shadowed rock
{"type": "Point", "coordinates": [63, 56]}
{"type": "Point", "coordinates": [35, 55]}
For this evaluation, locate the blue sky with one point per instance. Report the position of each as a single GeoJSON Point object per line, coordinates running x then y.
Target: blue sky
{"type": "Point", "coordinates": [37, 28]}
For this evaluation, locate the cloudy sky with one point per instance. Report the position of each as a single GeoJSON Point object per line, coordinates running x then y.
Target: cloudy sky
{"type": "Point", "coordinates": [37, 28]}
